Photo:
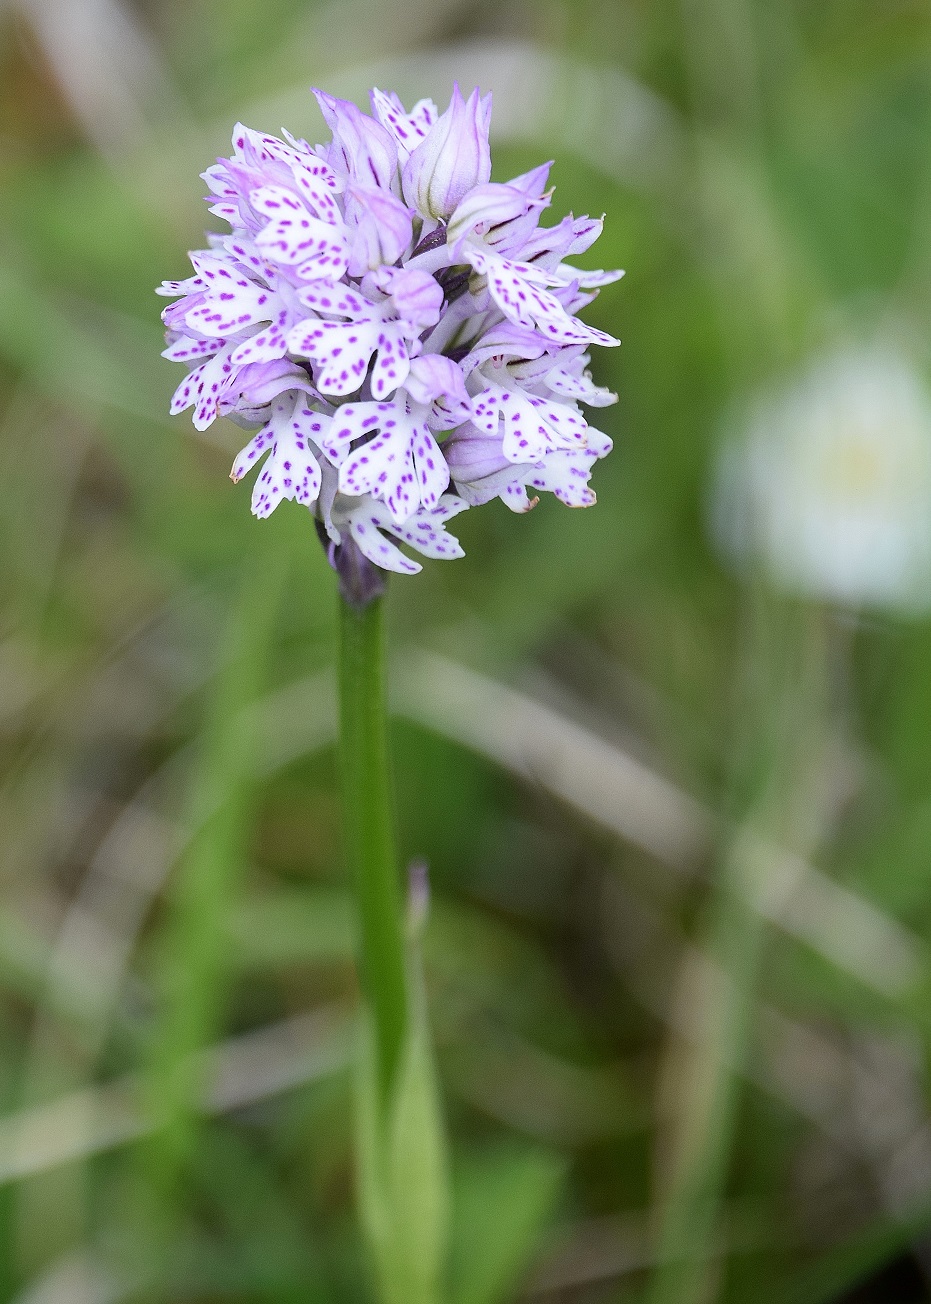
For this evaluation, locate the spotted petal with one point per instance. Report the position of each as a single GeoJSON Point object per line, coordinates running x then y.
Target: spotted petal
{"type": "Point", "coordinates": [566, 475]}
{"type": "Point", "coordinates": [340, 350]}
{"type": "Point", "coordinates": [299, 238]}
{"type": "Point", "coordinates": [291, 470]}
{"type": "Point", "coordinates": [268, 345]}
{"type": "Point", "coordinates": [425, 531]}
{"type": "Point", "coordinates": [531, 425]}
{"type": "Point", "coordinates": [385, 469]}
{"type": "Point", "coordinates": [430, 467]}
{"type": "Point", "coordinates": [335, 300]}
{"type": "Point", "coordinates": [354, 421]}
{"type": "Point", "coordinates": [186, 349]}
{"type": "Point", "coordinates": [204, 387]}
{"type": "Point", "coordinates": [392, 360]}
{"type": "Point", "coordinates": [171, 288]}
{"type": "Point", "coordinates": [402, 464]}
{"type": "Point", "coordinates": [364, 526]}
{"type": "Point", "coordinates": [317, 184]}
{"type": "Point", "coordinates": [408, 129]}
{"type": "Point", "coordinates": [579, 386]}
{"type": "Point", "coordinates": [234, 304]}
{"type": "Point", "coordinates": [519, 291]}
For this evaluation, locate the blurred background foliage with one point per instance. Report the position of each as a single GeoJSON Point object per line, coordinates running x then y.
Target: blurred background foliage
{"type": "Point", "coordinates": [674, 793]}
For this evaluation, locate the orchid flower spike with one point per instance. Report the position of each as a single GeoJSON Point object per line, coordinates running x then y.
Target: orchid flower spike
{"type": "Point", "coordinates": [398, 332]}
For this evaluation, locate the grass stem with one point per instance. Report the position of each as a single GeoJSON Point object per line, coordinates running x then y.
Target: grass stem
{"type": "Point", "coordinates": [369, 828]}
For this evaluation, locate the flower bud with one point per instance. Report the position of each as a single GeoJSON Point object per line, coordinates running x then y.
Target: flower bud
{"type": "Point", "coordinates": [383, 229]}
{"type": "Point", "coordinates": [454, 157]}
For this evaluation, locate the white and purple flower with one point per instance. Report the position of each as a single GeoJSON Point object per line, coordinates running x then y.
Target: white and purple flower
{"type": "Point", "coordinates": [399, 331]}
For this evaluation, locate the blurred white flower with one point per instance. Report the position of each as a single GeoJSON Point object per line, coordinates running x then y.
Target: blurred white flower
{"type": "Point", "coordinates": [828, 485]}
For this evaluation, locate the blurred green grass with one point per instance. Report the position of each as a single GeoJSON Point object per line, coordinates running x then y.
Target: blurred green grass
{"type": "Point", "coordinates": [773, 196]}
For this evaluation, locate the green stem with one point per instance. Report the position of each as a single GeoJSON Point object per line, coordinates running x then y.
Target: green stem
{"type": "Point", "coordinates": [369, 829]}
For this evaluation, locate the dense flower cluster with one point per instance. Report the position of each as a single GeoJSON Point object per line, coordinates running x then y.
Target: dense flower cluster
{"type": "Point", "coordinates": [400, 330]}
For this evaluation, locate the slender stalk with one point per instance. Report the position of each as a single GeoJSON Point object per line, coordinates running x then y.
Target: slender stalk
{"type": "Point", "coordinates": [369, 828]}
{"type": "Point", "coordinates": [718, 985]}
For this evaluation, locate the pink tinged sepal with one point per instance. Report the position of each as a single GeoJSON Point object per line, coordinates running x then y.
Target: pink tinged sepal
{"type": "Point", "coordinates": [365, 151]}
{"type": "Point", "coordinates": [547, 246]}
{"type": "Point", "coordinates": [258, 383]}
{"type": "Point", "coordinates": [482, 489]}
{"type": "Point", "coordinates": [529, 372]}
{"type": "Point", "coordinates": [585, 231]}
{"type": "Point", "coordinates": [383, 229]}
{"type": "Point", "coordinates": [533, 183]}
{"type": "Point", "coordinates": [218, 180]}
{"type": "Point", "coordinates": [173, 316]}
{"type": "Point", "coordinates": [408, 129]}
{"type": "Point", "coordinates": [436, 382]}
{"type": "Point", "coordinates": [510, 237]}
{"type": "Point", "coordinates": [473, 456]}
{"type": "Point", "coordinates": [453, 159]}
{"type": "Point", "coordinates": [562, 472]}
{"type": "Point", "coordinates": [505, 340]}
{"type": "Point", "coordinates": [415, 296]}
{"type": "Point", "coordinates": [489, 206]}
